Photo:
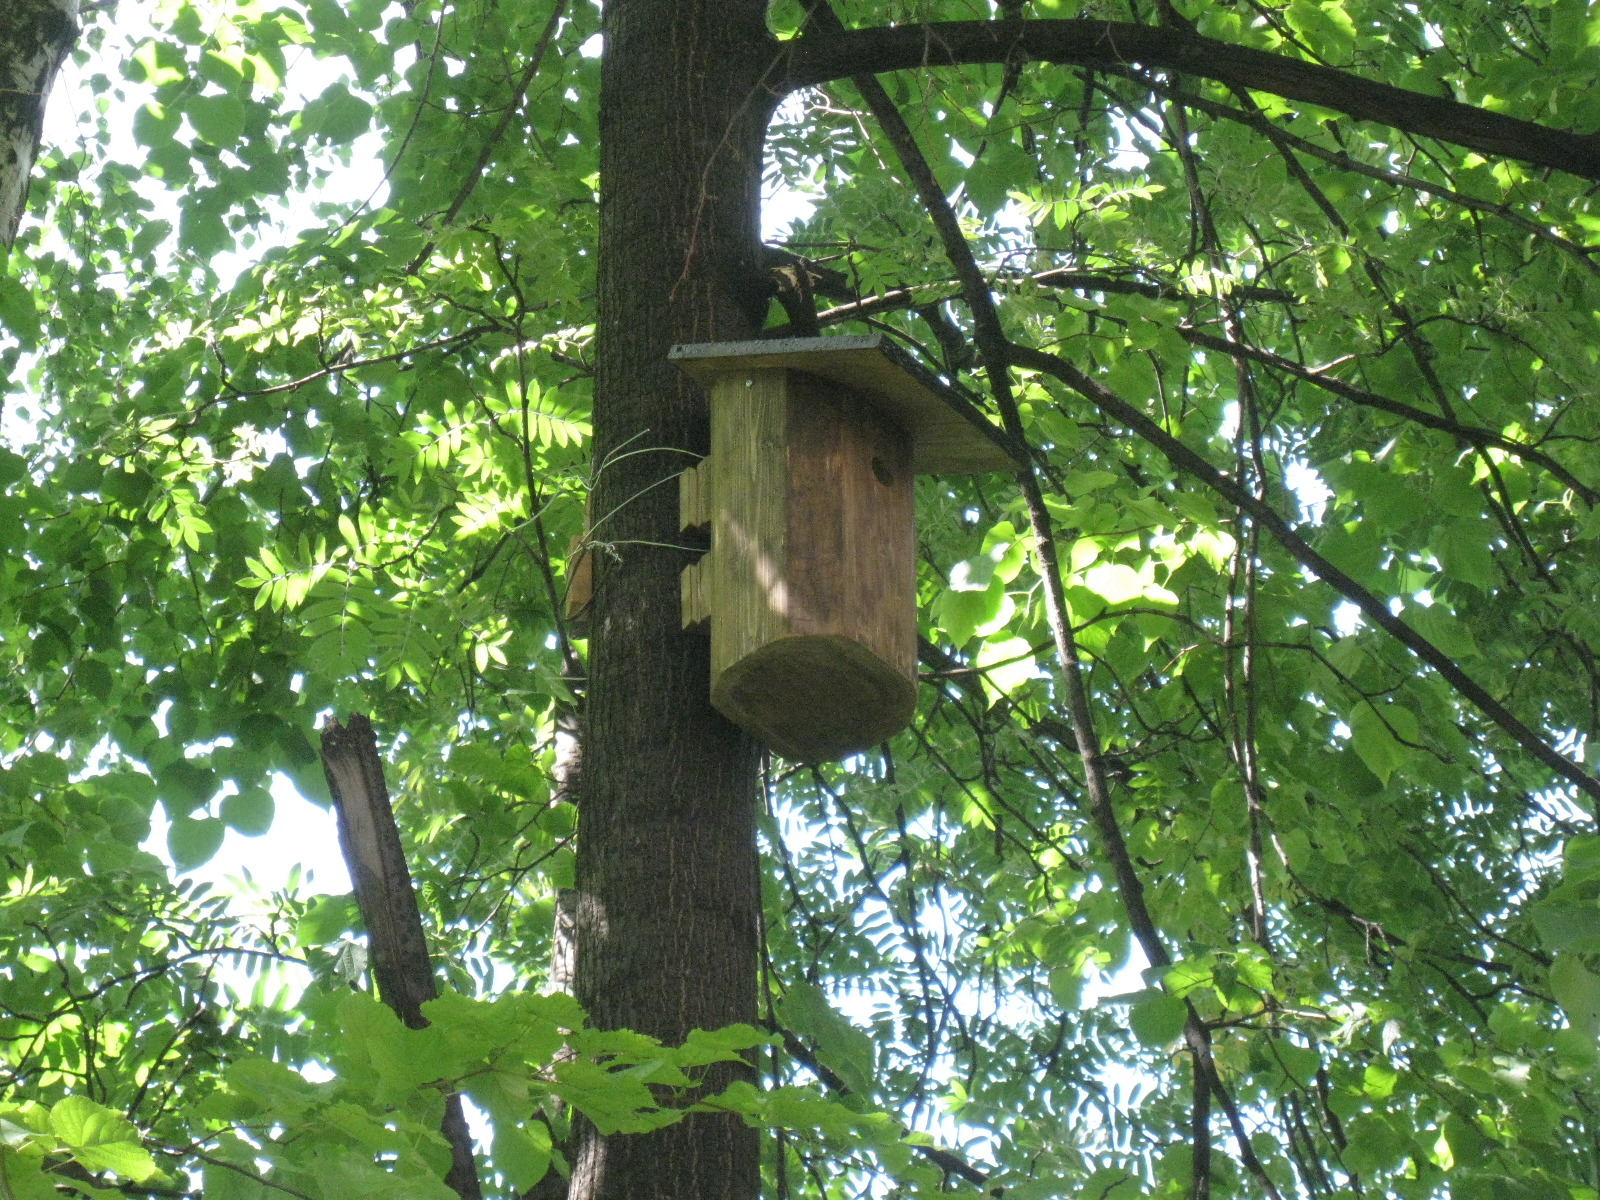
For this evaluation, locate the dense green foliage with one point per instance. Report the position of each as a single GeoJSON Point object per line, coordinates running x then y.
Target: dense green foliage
{"type": "Point", "coordinates": [257, 473]}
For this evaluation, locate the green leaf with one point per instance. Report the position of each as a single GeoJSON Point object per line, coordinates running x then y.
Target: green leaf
{"type": "Point", "coordinates": [1467, 1144]}
{"type": "Point", "coordinates": [1378, 1080]}
{"type": "Point", "coordinates": [1007, 664]}
{"type": "Point", "coordinates": [1184, 977]}
{"type": "Point", "coordinates": [1113, 582]}
{"type": "Point", "coordinates": [1006, 549]}
{"type": "Point", "coordinates": [839, 1044]}
{"type": "Point", "coordinates": [127, 487]}
{"type": "Point", "coordinates": [217, 119]}
{"type": "Point", "coordinates": [972, 574]}
{"type": "Point", "coordinates": [18, 312]}
{"type": "Point", "coordinates": [12, 468]}
{"type": "Point", "coordinates": [1463, 549]}
{"type": "Point", "coordinates": [1443, 630]}
{"type": "Point", "coordinates": [1372, 1144]}
{"type": "Point", "coordinates": [1117, 583]}
{"type": "Point", "coordinates": [1066, 988]}
{"type": "Point", "coordinates": [185, 785]}
{"type": "Point", "coordinates": [24, 1176]}
{"type": "Point", "coordinates": [202, 229]}
{"type": "Point", "coordinates": [1577, 990]}
{"type": "Point", "coordinates": [82, 475]}
{"type": "Point", "coordinates": [1580, 857]}
{"type": "Point", "coordinates": [155, 124]}
{"type": "Point", "coordinates": [1569, 925]}
{"type": "Point", "coordinates": [249, 811]}
{"type": "Point", "coordinates": [100, 1139]}
{"type": "Point", "coordinates": [1082, 483]}
{"type": "Point", "coordinates": [1110, 1183]}
{"type": "Point", "coordinates": [220, 70]}
{"type": "Point", "coordinates": [521, 1153]}
{"type": "Point", "coordinates": [1156, 1017]}
{"type": "Point", "coordinates": [194, 842]}
{"type": "Point", "coordinates": [223, 1183]}
{"type": "Point", "coordinates": [344, 117]}
{"type": "Point", "coordinates": [1371, 735]}
{"type": "Point", "coordinates": [1300, 1063]}
{"type": "Point", "coordinates": [327, 919]}
{"type": "Point", "coordinates": [962, 612]}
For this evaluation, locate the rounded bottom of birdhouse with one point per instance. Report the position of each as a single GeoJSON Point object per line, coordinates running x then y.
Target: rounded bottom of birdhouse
{"type": "Point", "coordinates": [816, 698]}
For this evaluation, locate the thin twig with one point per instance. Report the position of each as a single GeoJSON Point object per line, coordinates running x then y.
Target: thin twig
{"type": "Point", "coordinates": [1188, 461]}
{"type": "Point", "coordinates": [474, 176]}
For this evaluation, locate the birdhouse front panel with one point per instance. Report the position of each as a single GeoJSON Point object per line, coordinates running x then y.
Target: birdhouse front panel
{"type": "Point", "coordinates": [851, 522]}
{"type": "Point", "coordinates": [811, 576]}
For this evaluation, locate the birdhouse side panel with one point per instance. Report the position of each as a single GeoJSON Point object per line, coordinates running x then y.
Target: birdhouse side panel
{"type": "Point", "coordinates": [748, 574]}
{"type": "Point", "coordinates": [851, 524]}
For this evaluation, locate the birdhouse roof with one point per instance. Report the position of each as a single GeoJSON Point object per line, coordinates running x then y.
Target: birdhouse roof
{"type": "Point", "coordinates": [948, 434]}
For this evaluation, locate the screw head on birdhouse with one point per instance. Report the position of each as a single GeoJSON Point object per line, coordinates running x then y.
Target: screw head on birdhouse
{"type": "Point", "coordinates": [809, 587]}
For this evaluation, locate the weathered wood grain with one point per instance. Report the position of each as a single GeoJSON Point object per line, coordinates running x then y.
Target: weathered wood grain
{"type": "Point", "coordinates": [810, 583]}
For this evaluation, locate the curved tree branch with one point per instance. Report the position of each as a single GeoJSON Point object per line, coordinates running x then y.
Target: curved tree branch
{"type": "Point", "coordinates": [1374, 609]}
{"type": "Point", "coordinates": [897, 299]}
{"type": "Point", "coordinates": [827, 55]}
{"type": "Point", "coordinates": [1342, 159]}
{"type": "Point", "coordinates": [995, 351]}
{"type": "Point", "coordinates": [513, 107]}
{"type": "Point", "coordinates": [1471, 435]}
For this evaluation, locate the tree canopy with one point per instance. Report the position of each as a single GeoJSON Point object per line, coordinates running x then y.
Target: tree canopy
{"type": "Point", "coordinates": [1243, 842]}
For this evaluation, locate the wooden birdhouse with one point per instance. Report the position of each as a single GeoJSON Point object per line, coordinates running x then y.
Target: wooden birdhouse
{"type": "Point", "coordinates": [810, 583]}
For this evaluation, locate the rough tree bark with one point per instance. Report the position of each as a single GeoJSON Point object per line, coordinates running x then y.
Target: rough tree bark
{"type": "Point", "coordinates": [666, 878]}
{"type": "Point", "coordinates": [35, 36]}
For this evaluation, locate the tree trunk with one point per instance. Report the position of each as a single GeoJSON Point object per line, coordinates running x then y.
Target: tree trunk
{"type": "Point", "coordinates": [35, 36]}
{"type": "Point", "coordinates": [666, 880]}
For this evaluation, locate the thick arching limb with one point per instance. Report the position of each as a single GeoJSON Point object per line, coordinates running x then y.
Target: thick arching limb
{"type": "Point", "coordinates": [824, 55]}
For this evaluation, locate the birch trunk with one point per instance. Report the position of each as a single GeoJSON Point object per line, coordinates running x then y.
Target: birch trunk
{"type": "Point", "coordinates": [35, 36]}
